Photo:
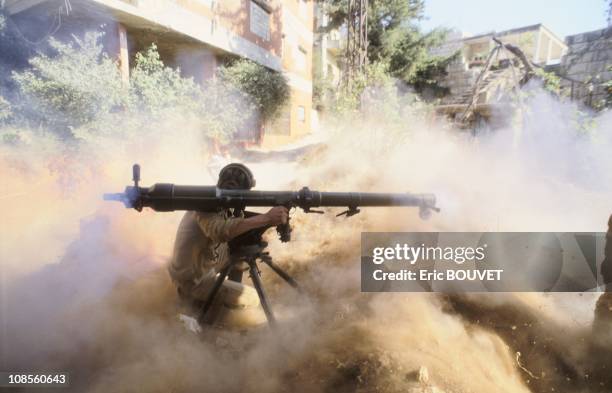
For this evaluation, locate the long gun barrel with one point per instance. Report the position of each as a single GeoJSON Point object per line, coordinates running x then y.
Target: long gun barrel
{"type": "Point", "coordinates": [165, 197]}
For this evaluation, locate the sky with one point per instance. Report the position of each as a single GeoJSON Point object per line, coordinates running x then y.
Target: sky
{"type": "Point", "coordinates": [563, 17]}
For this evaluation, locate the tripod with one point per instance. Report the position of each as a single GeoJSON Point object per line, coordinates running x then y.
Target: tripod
{"type": "Point", "coordinates": [247, 248]}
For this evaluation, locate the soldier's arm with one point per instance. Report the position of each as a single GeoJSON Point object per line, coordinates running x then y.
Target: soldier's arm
{"type": "Point", "coordinates": [222, 230]}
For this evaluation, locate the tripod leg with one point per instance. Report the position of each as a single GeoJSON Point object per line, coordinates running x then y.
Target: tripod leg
{"type": "Point", "coordinates": [284, 275]}
{"type": "Point", "coordinates": [260, 291]}
{"type": "Point", "coordinates": [213, 293]}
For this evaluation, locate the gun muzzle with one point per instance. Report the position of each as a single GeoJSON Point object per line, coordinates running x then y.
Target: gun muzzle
{"type": "Point", "coordinates": [123, 197]}
{"type": "Point", "coordinates": [116, 196]}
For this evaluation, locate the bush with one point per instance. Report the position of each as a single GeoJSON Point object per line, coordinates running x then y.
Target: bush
{"type": "Point", "coordinates": [155, 87]}
{"type": "Point", "coordinates": [78, 93]}
{"type": "Point", "coordinates": [268, 90]}
{"type": "Point", "coordinates": [74, 87]}
{"type": "Point", "coordinates": [550, 81]}
{"type": "Point", "coordinates": [158, 90]}
{"type": "Point", "coordinates": [608, 84]}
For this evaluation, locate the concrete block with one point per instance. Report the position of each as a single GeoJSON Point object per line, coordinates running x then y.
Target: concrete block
{"type": "Point", "coordinates": [577, 68]}
{"type": "Point", "coordinates": [597, 67]}
{"type": "Point", "coordinates": [596, 45]}
{"type": "Point", "coordinates": [588, 57]}
{"type": "Point", "coordinates": [577, 39]}
{"type": "Point", "coordinates": [578, 48]}
{"type": "Point", "coordinates": [593, 35]}
{"type": "Point", "coordinates": [581, 77]}
{"type": "Point", "coordinates": [604, 55]}
{"type": "Point", "coordinates": [601, 45]}
{"type": "Point", "coordinates": [569, 59]}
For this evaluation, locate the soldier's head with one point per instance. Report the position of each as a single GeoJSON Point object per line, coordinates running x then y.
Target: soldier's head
{"type": "Point", "coordinates": [236, 177]}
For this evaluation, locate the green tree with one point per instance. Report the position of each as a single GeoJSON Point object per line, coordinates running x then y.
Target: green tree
{"type": "Point", "coordinates": [608, 89]}
{"type": "Point", "coordinates": [161, 91]}
{"type": "Point", "coordinates": [77, 92]}
{"type": "Point", "coordinates": [550, 80]}
{"type": "Point", "coordinates": [266, 89]}
{"type": "Point", "coordinates": [75, 86]}
{"type": "Point", "coordinates": [394, 38]}
{"type": "Point", "coordinates": [154, 87]}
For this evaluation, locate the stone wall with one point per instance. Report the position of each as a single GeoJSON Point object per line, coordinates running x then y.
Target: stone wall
{"type": "Point", "coordinates": [588, 62]}
{"type": "Point", "coordinates": [459, 80]}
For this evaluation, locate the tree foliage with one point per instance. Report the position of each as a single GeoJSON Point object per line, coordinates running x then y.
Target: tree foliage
{"type": "Point", "coordinates": [155, 87]}
{"type": "Point", "coordinates": [77, 92]}
{"type": "Point", "coordinates": [268, 90]}
{"type": "Point", "coordinates": [394, 38]}
{"type": "Point", "coordinates": [550, 81]}
{"type": "Point", "coordinates": [72, 87]}
{"type": "Point", "coordinates": [608, 89]}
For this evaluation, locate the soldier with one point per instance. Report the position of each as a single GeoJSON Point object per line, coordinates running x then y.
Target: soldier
{"type": "Point", "coordinates": [200, 248]}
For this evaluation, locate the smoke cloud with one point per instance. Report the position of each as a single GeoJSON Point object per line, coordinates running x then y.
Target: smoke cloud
{"type": "Point", "coordinates": [84, 286]}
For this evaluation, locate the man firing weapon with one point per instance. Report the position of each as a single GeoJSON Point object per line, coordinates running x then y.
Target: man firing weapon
{"type": "Point", "coordinates": [219, 239]}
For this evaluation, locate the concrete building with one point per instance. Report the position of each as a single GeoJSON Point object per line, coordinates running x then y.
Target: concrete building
{"type": "Point", "coordinates": [198, 35]}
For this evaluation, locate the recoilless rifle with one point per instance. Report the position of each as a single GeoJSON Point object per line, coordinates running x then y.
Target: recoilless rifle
{"type": "Point", "coordinates": [249, 247]}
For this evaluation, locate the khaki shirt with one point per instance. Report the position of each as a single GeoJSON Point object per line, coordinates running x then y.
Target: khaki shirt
{"type": "Point", "coordinates": [200, 249]}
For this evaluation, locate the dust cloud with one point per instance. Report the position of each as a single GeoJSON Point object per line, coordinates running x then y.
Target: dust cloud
{"type": "Point", "coordinates": [84, 286]}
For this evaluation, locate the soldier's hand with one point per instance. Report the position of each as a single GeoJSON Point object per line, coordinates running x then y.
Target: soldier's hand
{"type": "Point", "coordinates": [277, 215]}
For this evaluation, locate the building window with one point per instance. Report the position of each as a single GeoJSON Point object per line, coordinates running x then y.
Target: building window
{"type": "Point", "coordinates": [301, 114]}
{"type": "Point", "coordinates": [260, 21]}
